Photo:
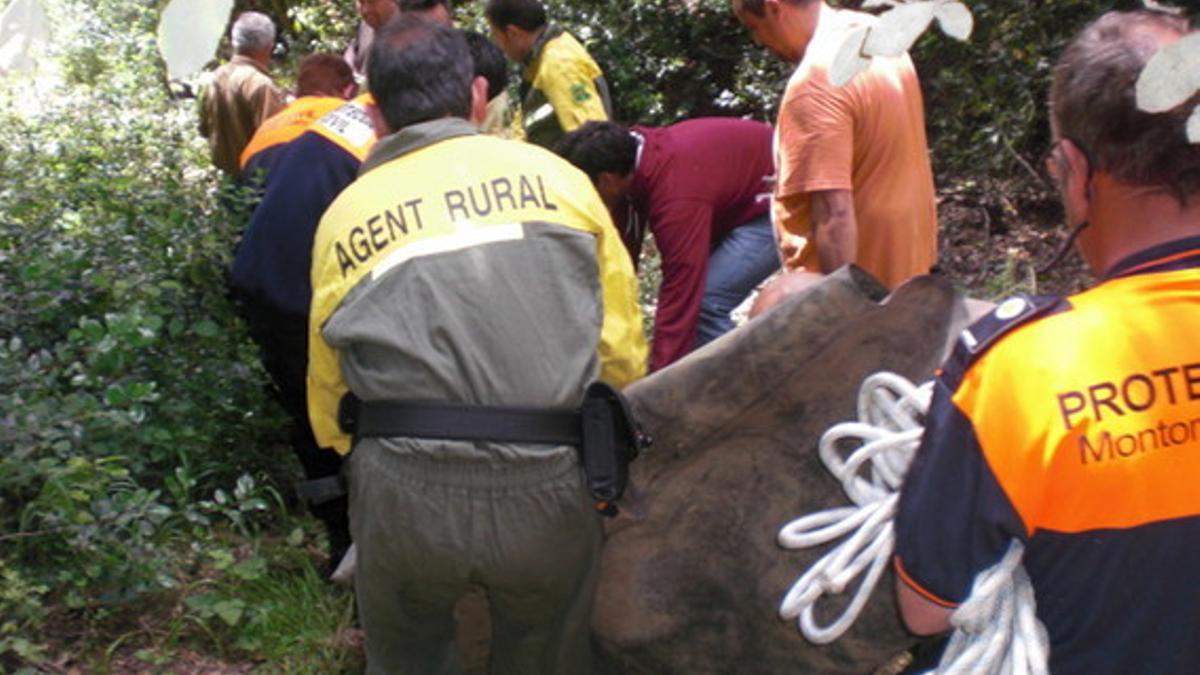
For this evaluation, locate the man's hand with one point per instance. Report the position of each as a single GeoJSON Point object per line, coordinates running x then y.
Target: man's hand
{"type": "Point", "coordinates": [834, 228]}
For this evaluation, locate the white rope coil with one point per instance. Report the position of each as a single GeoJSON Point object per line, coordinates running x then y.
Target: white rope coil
{"type": "Point", "coordinates": [891, 410]}
{"type": "Point", "coordinates": [996, 629]}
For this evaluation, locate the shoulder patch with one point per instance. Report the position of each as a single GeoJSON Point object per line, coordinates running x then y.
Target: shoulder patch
{"type": "Point", "coordinates": [349, 126]}
{"type": "Point", "coordinates": [976, 339]}
{"type": "Point", "coordinates": [1008, 315]}
{"type": "Point", "coordinates": [580, 93]}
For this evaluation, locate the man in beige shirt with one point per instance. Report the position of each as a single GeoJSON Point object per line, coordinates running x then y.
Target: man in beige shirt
{"type": "Point", "coordinates": [241, 94]}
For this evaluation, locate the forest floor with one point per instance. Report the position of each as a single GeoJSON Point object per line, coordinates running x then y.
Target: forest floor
{"type": "Point", "coordinates": [994, 241]}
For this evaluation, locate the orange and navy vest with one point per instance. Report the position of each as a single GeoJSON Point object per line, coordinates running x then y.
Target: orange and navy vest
{"type": "Point", "coordinates": [283, 127]}
{"type": "Point", "coordinates": [1073, 425]}
{"type": "Point", "coordinates": [272, 263]}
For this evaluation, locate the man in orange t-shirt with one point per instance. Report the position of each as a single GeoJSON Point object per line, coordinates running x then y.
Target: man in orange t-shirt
{"type": "Point", "coordinates": [854, 179]}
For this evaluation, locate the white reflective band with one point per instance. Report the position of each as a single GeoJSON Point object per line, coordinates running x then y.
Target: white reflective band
{"type": "Point", "coordinates": [969, 339]}
{"type": "Point", "coordinates": [539, 115]}
{"type": "Point", "coordinates": [352, 123]}
{"type": "Point", "coordinates": [468, 236]}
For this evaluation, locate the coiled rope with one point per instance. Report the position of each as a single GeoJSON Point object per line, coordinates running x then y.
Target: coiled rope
{"type": "Point", "coordinates": [996, 629]}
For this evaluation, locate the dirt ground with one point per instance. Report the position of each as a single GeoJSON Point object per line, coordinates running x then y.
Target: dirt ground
{"type": "Point", "coordinates": [993, 243]}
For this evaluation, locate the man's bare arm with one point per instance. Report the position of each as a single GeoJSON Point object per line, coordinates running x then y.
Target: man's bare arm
{"type": "Point", "coordinates": [834, 228]}
{"type": "Point", "coordinates": [921, 615]}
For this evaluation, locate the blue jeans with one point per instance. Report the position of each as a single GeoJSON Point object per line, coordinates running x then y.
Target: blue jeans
{"type": "Point", "coordinates": [738, 264]}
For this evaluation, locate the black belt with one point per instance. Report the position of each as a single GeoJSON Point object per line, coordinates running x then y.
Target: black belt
{"type": "Point", "coordinates": [603, 429]}
{"type": "Point", "coordinates": [459, 422]}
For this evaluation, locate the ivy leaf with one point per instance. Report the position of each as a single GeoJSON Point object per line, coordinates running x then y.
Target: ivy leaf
{"type": "Point", "coordinates": [206, 328]}
{"type": "Point", "coordinates": [955, 20]}
{"type": "Point", "coordinates": [898, 29]}
{"type": "Point", "coordinates": [250, 569]}
{"type": "Point", "coordinates": [1171, 76]}
{"type": "Point", "coordinates": [189, 32]}
{"type": "Point", "coordinates": [230, 611]}
{"type": "Point", "coordinates": [1193, 126]}
{"type": "Point", "coordinates": [849, 60]}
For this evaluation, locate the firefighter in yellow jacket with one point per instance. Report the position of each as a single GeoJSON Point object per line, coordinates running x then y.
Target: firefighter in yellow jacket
{"type": "Point", "coordinates": [462, 276]}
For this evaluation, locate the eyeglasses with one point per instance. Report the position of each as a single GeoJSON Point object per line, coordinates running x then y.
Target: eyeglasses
{"type": "Point", "coordinates": [1052, 165]}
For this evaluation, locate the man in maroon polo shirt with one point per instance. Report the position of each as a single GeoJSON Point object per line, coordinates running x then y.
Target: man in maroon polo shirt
{"type": "Point", "coordinates": [702, 187]}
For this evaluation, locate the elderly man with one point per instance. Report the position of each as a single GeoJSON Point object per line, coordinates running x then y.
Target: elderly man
{"type": "Point", "coordinates": [702, 186]}
{"type": "Point", "coordinates": [459, 277]}
{"type": "Point", "coordinates": [1072, 425]}
{"type": "Point", "coordinates": [375, 13]}
{"type": "Point", "coordinates": [855, 183]}
{"type": "Point", "coordinates": [241, 94]}
{"type": "Point", "coordinates": [561, 86]}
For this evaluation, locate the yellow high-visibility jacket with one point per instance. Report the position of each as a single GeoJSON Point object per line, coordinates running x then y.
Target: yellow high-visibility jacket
{"type": "Point", "coordinates": [465, 268]}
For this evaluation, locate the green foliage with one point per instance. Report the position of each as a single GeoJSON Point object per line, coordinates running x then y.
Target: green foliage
{"type": "Point", "coordinates": [20, 613]}
{"type": "Point", "coordinates": [986, 98]}
{"type": "Point", "coordinates": [667, 60]}
{"type": "Point", "coordinates": [129, 392]}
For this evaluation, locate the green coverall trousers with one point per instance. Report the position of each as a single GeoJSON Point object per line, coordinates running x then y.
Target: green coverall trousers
{"type": "Point", "coordinates": [426, 530]}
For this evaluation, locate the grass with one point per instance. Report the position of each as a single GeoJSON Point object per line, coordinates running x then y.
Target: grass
{"type": "Point", "coordinates": [243, 606]}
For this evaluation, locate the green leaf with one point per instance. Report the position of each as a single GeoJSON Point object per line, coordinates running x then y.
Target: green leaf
{"type": "Point", "coordinates": [250, 569]}
{"type": "Point", "coordinates": [206, 328]}
{"type": "Point", "coordinates": [202, 603]}
{"type": "Point", "coordinates": [189, 32]}
{"type": "Point", "coordinates": [230, 611]}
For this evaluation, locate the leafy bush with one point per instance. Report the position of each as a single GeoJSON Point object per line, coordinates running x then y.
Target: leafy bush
{"type": "Point", "coordinates": [129, 392]}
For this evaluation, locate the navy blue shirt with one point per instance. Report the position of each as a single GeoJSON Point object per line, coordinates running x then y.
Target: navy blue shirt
{"type": "Point", "coordinates": [273, 261]}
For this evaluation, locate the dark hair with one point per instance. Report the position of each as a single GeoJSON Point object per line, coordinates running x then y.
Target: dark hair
{"type": "Point", "coordinates": [489, 62]}
{"type": "Point", "coordinates": [425, 5]}
{"type": "Point", "coordinates": [1093, 102]}
{"type": "Point", "coordinates": [755, 7]}
{"type": "Point", "coordinates": [323, 75]}
{"type": "Point", "coordinates": [419, 71]}
{"type": "Point", "coordinates": [524, 14]}
{"type": "Point", "coordinates": [599, 146]}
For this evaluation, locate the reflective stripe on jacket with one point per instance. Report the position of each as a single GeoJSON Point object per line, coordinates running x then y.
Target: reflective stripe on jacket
{"type": "Point", "coordinates": [288, 123]}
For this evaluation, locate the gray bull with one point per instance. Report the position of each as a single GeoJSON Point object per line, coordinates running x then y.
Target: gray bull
{"type": "Point", "coordinates": [691, 575]}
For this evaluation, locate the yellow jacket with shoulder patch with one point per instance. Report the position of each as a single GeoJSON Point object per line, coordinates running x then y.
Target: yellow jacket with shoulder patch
{"type": "Point", "coordinates": [562, 88]}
